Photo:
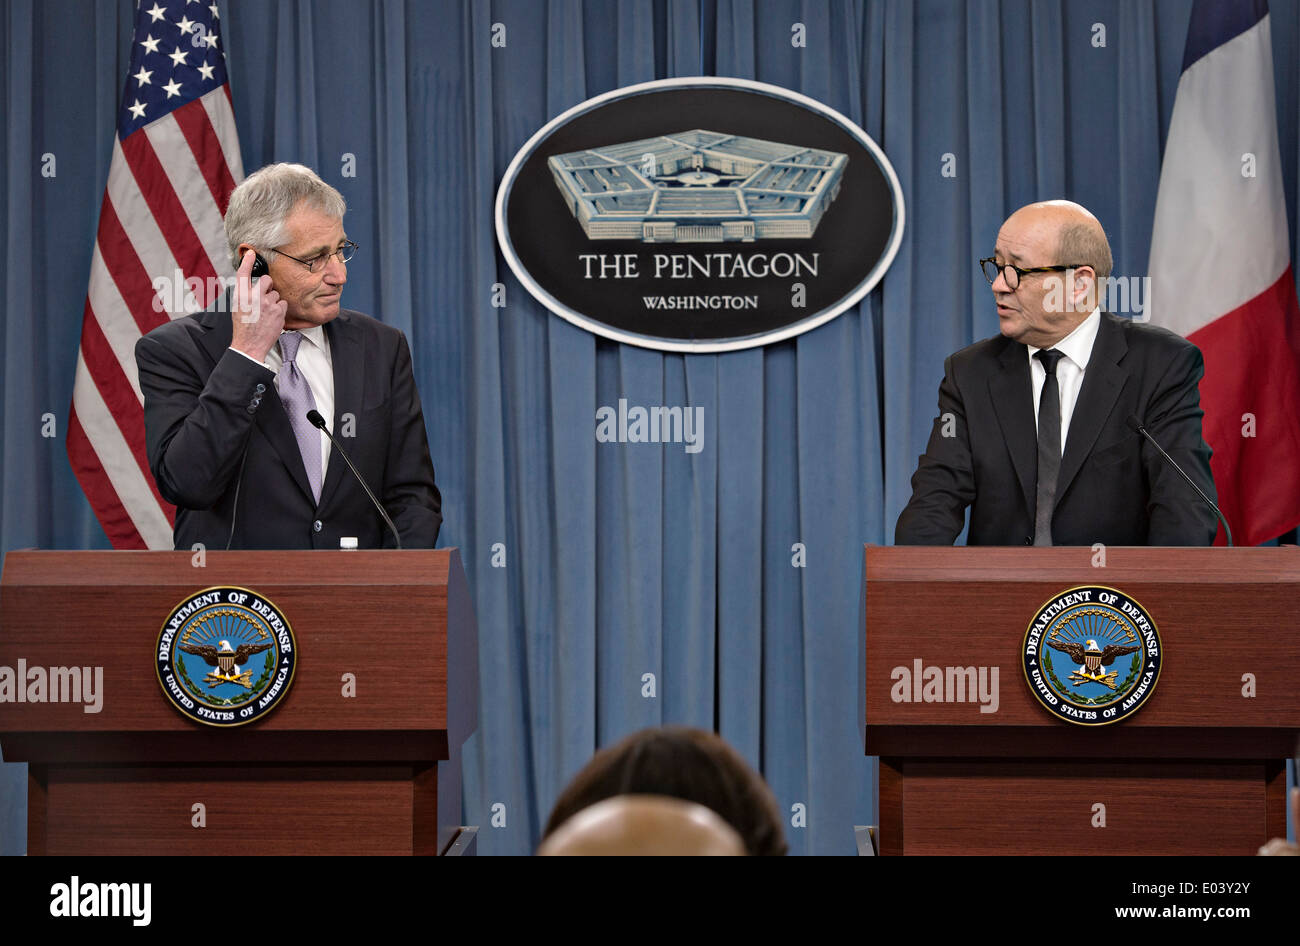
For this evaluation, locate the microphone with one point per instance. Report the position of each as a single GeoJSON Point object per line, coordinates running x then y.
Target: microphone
{"type": "Point", "coordinates": [1135, 424]}
{"type": "Point", "coordinates": [319, 422]}
{"type": "Point", "coordinates": [234, 509]}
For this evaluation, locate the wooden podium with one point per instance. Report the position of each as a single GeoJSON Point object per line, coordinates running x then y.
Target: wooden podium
{"type": "Point", "coordinates": [362, 756]}
{"type": "Point", "coordinates": [1198, 769]}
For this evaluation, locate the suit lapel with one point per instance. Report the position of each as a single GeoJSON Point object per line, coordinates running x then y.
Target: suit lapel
{"type": "Point", "coordinates": [271, 417]}
{"type": "Point", "coordinates": [347, 356]}
{"type": "Point", "coordinates": [1013, 402]}
{"type": "Point", "coordinates": [1102, 382]}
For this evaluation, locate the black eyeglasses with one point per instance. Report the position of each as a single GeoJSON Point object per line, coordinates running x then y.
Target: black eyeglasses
{"type": "Point", "coordinates": [1012, 274]}
{"type": "Point", "coordinates": [317, 263]}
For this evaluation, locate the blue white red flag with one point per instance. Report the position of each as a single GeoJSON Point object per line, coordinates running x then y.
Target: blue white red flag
{"type": "Point", "coordinates": [1221, 264]}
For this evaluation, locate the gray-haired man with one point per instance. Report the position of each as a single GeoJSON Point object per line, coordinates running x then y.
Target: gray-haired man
{"type": "Point", "coordinates": [227, 392]}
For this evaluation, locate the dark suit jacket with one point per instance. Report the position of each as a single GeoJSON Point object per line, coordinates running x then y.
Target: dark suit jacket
{"type": "Point", "coordinates": [204, 405]}
{"type": "Point", "coordinates": [1113, 488]}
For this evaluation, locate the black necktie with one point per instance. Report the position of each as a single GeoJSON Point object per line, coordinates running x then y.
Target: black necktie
{"type": "Point", "coordinates": [1049, 447]}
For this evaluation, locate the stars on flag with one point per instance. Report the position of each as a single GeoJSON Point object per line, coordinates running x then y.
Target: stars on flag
{"type": "Point", "coordinates": [177, 57]}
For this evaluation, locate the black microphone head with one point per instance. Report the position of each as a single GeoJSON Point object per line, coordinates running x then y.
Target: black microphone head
{"type": "Point", "coordinates": [1134, 423]}
{"type": "Point", "coordinates": [317, 421]}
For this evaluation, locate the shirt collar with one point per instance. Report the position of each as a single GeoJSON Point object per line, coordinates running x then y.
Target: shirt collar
{"type": "Point", "coordinates": [314, 334]}
{"type": "Point", "coordinates": [1077, 346]}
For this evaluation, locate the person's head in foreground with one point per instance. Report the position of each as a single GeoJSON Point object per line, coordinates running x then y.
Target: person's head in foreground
{"type": "Point", "coordinates": [678, 762]}
{"type": "Point", "coordinates": [645, 826]}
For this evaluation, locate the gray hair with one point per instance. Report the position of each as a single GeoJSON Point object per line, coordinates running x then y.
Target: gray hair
{"type": "Point", "coordinates": [1085, 244]}
{"type": "Point", "coordinates": [260, 206]}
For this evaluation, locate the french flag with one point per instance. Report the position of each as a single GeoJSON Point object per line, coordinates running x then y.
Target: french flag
{"type": "Point", "coordinates": [1221, 264]}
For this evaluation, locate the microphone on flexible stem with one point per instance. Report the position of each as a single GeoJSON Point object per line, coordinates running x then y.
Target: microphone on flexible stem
{"type": "Point", "coordinates": [234, 509]}
{"type": "Point", "coordinates": [319, 422]}
{"type": "Point", "coordinates": [1134, 423]}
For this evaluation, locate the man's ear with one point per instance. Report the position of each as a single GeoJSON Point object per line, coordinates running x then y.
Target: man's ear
{"type": "Point", "coordinates": [1085, 289]}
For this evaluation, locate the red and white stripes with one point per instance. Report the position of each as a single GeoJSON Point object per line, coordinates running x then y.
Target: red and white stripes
{"type": "Point", "coordinates": [160, 227]}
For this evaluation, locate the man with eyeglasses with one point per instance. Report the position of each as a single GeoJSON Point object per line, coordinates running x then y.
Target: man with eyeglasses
{"type": "Point", "coordinates": [227, 392]}
{"type": "Point", "coordinates": [1033, 431]}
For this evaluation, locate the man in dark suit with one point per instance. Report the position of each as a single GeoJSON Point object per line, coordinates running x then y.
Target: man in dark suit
{"type": "Point", "coordinates": [1033, 431]}
{"type": "Point", "coordinates": [227, 391]}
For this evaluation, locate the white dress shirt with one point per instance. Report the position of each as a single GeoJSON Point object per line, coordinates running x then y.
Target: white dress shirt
{"type": "Point", "coordinates": [1077, 349]}
{"type": "Point", "coordinates": [316, 365]}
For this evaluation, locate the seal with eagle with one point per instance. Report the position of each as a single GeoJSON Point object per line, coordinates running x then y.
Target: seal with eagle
{"type": "Point", "coordinates": [227, 660]}
{"type": "Point", "coordinates": [1092, 659]}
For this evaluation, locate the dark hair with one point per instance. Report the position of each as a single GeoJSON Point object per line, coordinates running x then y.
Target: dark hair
{"type": "Point", "coordinates": [685, 763]}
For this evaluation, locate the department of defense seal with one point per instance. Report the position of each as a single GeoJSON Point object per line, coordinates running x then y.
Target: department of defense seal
{"type": "Point", "coordinates": [225, 656]}
{"type": "Point", "coordinates": [1092, 655]}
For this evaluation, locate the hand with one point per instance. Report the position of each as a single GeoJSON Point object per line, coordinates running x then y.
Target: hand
{"type": "Point", "coordinates": [257, 312]}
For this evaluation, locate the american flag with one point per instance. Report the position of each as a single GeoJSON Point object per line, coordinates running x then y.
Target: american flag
{"type": "Point", "coordinates": [160, 252]}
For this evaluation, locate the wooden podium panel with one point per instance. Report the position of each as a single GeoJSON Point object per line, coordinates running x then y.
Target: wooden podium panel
{"type": "Point", "coordinates": [384, 694]}
{"type": "Point", "coordinates": [986, 808]}
{"type": "Point", "coordinates": [281, 810]}
{"type": "Point", "coordinates": [1196, 770]}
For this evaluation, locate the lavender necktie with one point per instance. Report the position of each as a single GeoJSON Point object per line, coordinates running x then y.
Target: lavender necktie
{"type": "Point", "coordinates": [296, 394]}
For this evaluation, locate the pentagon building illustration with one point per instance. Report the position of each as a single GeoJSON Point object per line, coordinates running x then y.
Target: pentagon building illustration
{"type": "Point", "coordinates": [698, 187]}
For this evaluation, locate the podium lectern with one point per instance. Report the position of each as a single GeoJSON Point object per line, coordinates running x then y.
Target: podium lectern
{"type": "Point", "coordinates": [1197, 770]}
{"type": "Point", "coordinates": [362, 756]}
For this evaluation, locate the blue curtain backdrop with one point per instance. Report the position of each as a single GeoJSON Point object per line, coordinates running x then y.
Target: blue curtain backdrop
{"type": "Point", "coordinates": [621, 560]}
